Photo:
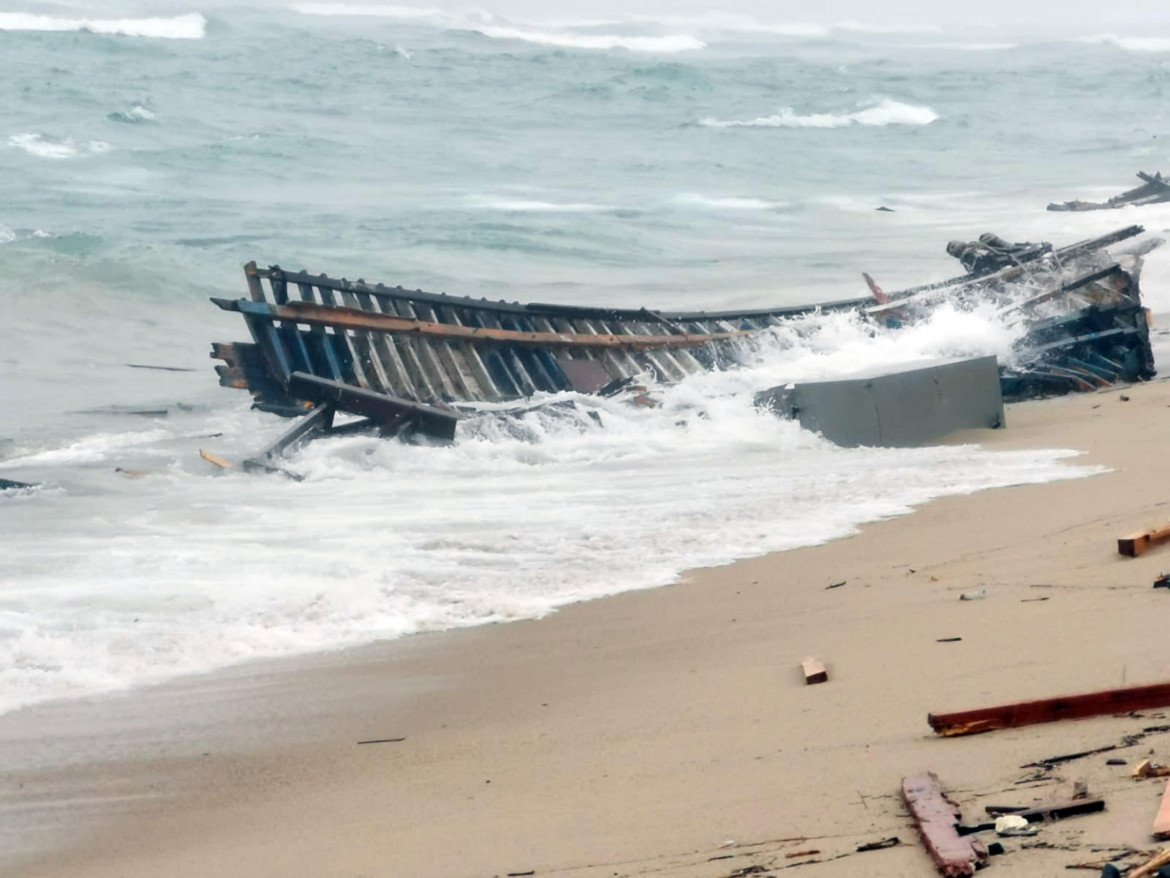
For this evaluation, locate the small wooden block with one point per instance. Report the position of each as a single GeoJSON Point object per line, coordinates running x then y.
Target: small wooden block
{"type": "Point", "coordinates": [1134, 544]}
{"type": "Point", "coordinates": [213, 459]}
{"type": "Point", "coordinates": [814, 671]}
{"type": "Point", "coordinates": [1162, 821]}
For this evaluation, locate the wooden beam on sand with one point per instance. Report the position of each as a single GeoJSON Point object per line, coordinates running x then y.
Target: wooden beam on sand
{"type": "Point", "coordinates": [1026, 713]}
{"type": "Point", "coordinates": [936, 817]}
{"type": "Point", "coordinates": [1138, 543]}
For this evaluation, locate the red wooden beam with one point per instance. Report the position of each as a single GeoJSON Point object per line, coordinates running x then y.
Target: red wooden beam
{"type": "Point", "coordinates": [1026, 713]}
{"type": "Point", "coordinates": [936, 817]}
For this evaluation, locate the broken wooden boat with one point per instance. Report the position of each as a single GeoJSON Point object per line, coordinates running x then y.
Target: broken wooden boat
{"type": "Point", "coordinates": [413, 362]}
{"type": "Point", "coordinates": [1154, 190]}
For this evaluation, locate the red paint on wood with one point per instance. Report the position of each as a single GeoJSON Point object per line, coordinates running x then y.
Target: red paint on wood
{"type": "Point", "coordinates": [936, 817]}
{"type": "Point", "coordinates": [1026, 713]}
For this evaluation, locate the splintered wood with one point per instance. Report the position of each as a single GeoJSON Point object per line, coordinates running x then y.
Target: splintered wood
{"type": "Point", "coordinates": [936, 817]}
{"type": "Point", "coordinates": [814, 671]}
{"type": "Point", "coordinates": [1138, 543]}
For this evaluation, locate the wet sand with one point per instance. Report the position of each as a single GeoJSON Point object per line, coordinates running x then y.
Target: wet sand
{"type": "Point", "coordinates": [665, 732]}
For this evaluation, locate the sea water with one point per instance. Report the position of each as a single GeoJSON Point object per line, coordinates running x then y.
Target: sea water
{"type": "Point", "coordinates": [711, 161]}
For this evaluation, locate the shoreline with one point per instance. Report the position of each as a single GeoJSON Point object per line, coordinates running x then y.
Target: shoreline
{"type": "Point", "coordinates": [648, 727]}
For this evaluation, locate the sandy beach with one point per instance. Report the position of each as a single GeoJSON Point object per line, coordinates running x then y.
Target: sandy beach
{"type": "Point", "coordinates": [665, 732]}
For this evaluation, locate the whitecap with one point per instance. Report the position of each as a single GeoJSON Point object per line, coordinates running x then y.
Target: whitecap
{"type": "Point", "coordinates": [45, 147]}
{"type": "Point", "coordinates": [191, 26]}
{"type": "Point", "coordinates": [521, 205]}
{"type": "Point", "coordinates": [667, 44]}
{"type": "Point", "coordinates": [695, 199]}
{"type": "Point", "coordinates": [1130, 44]}
{"type": "Point", "coordinates": [134, 115]}
{"type": "Point", "coordinates": [885, 112]}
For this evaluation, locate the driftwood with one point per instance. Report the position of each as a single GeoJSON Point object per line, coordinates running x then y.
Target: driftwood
{"type": "Point", "coordinates": [1152, 865]}
{"type": "Point", "coordinates": [936, 816]}
{"type": "Point", "coordinates": [1162, 820]}
{"type": "Point", "coordinates": [1025, 713]}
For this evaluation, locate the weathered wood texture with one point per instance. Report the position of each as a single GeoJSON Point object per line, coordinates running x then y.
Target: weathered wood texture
{"type": "Point", "coordinates": [1024, 713]}
{"type": "Point", "coordinates": [936, 817]}
{"type": "Point", "coordinates": [1162, 820]}
{"type": "Point", "coordinates": [389, 413]}
{"type": "Point", "coordinates": [1136, 544]}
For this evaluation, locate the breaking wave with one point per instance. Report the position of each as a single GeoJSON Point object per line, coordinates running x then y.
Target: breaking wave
{"type": "Point", "coordinates": [664, 44]}
{"type": "Point", "coordinates": [521, 205]}
{"type": "Point", "coordinates": [191, 26]}
{"type": "Point", "coordinates": [886, 112]}
{"type": "Point", "coordinates": [44, 147]}
{"type": "Point", "coordinates": [695, 199]}
{"type": "Point", "coordinates": [398, 13]}
{"type": "Point", "coordinates": [1131, 44]}
{"type": "Point", "coordinates": [133, 116]}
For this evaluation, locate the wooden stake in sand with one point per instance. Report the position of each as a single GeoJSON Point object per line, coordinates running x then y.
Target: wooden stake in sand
{"type": "Point", "coordinates": [1162, 821]}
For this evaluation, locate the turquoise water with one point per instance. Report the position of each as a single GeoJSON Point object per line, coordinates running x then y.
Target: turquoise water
{"type": "Point", "coordinates": [708, 162]}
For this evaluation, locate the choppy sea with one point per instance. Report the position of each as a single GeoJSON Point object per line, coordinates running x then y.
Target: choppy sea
{"type": "Point", "coordinates": [712, 161]}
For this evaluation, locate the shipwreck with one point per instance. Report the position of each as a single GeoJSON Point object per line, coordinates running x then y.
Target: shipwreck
{"type": "Point", "coordinates": [409, 362]}
{"type": "Point", "coordinates": [1154, 190]}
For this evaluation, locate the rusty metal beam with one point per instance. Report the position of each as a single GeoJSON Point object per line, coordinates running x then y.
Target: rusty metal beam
{"type": "Point", "coordinates": [350, 318]}
{"type": "Point", "coordinates": [1026, 713]}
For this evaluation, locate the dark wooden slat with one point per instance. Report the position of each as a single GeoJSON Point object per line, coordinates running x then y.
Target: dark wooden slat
{"type": "Point", "coordinates": [389, 413]}
{"type": "Point", "coordinates": [1025, 713]}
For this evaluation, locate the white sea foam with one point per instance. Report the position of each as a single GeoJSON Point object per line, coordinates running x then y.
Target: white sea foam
{"type": "Point", "coordinates": [7, 235]}
{"type": "Point", "coordinates": [191, 26]}
{"type": "Point", "coordinates": [696, 199]}
{"type": "Point", "coordinates": [668, 44]}
{"type": "Point", "coordinates": [529, 205]}
{"type": "Point", "coordinates": [120, 582]}
{"type": "Point", "coordinates": [134, 115]}
{"type": "Point", "coordinates": [885, 112]}
{"type": "Point", "coordinates": [1131, 44]}
{"type": "Point", "coordinates": [45, 147]}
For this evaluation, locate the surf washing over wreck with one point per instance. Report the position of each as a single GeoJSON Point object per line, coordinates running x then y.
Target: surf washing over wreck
{"type": "Point", "coordinates": [409, 362]}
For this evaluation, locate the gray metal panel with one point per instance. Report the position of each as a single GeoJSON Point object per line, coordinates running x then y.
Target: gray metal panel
{"type": "Point", "coordinates": [912, 406]}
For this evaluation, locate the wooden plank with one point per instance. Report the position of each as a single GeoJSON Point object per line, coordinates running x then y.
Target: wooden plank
{"type": "Point", "coordinates": [814, 671]}
{"type": "Point", "coordinates": [936, 817]}
{"type": "Point", "coordinates": [1152, 865]}
{"type": "Point", "coordinates": [1162, 820]}
{"type": "Point", "coordinates": [316, 421]}
{"type": "Point", "coordinates": [1141, 542]}
{"type": "Point", "coordinates": [388, 412]}
{"type": "Point", "coordinates": [350, 318]}
{"type": "Point", "coordinates": [1025, 713]}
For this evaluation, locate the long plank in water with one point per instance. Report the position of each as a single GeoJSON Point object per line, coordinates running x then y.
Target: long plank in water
{"type": "Point", "coordinates": [1026, 713]}
{"type": "Point", "coordinates": [936, 817]}
{"type": "Point", "coordinates": [389, 413]}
